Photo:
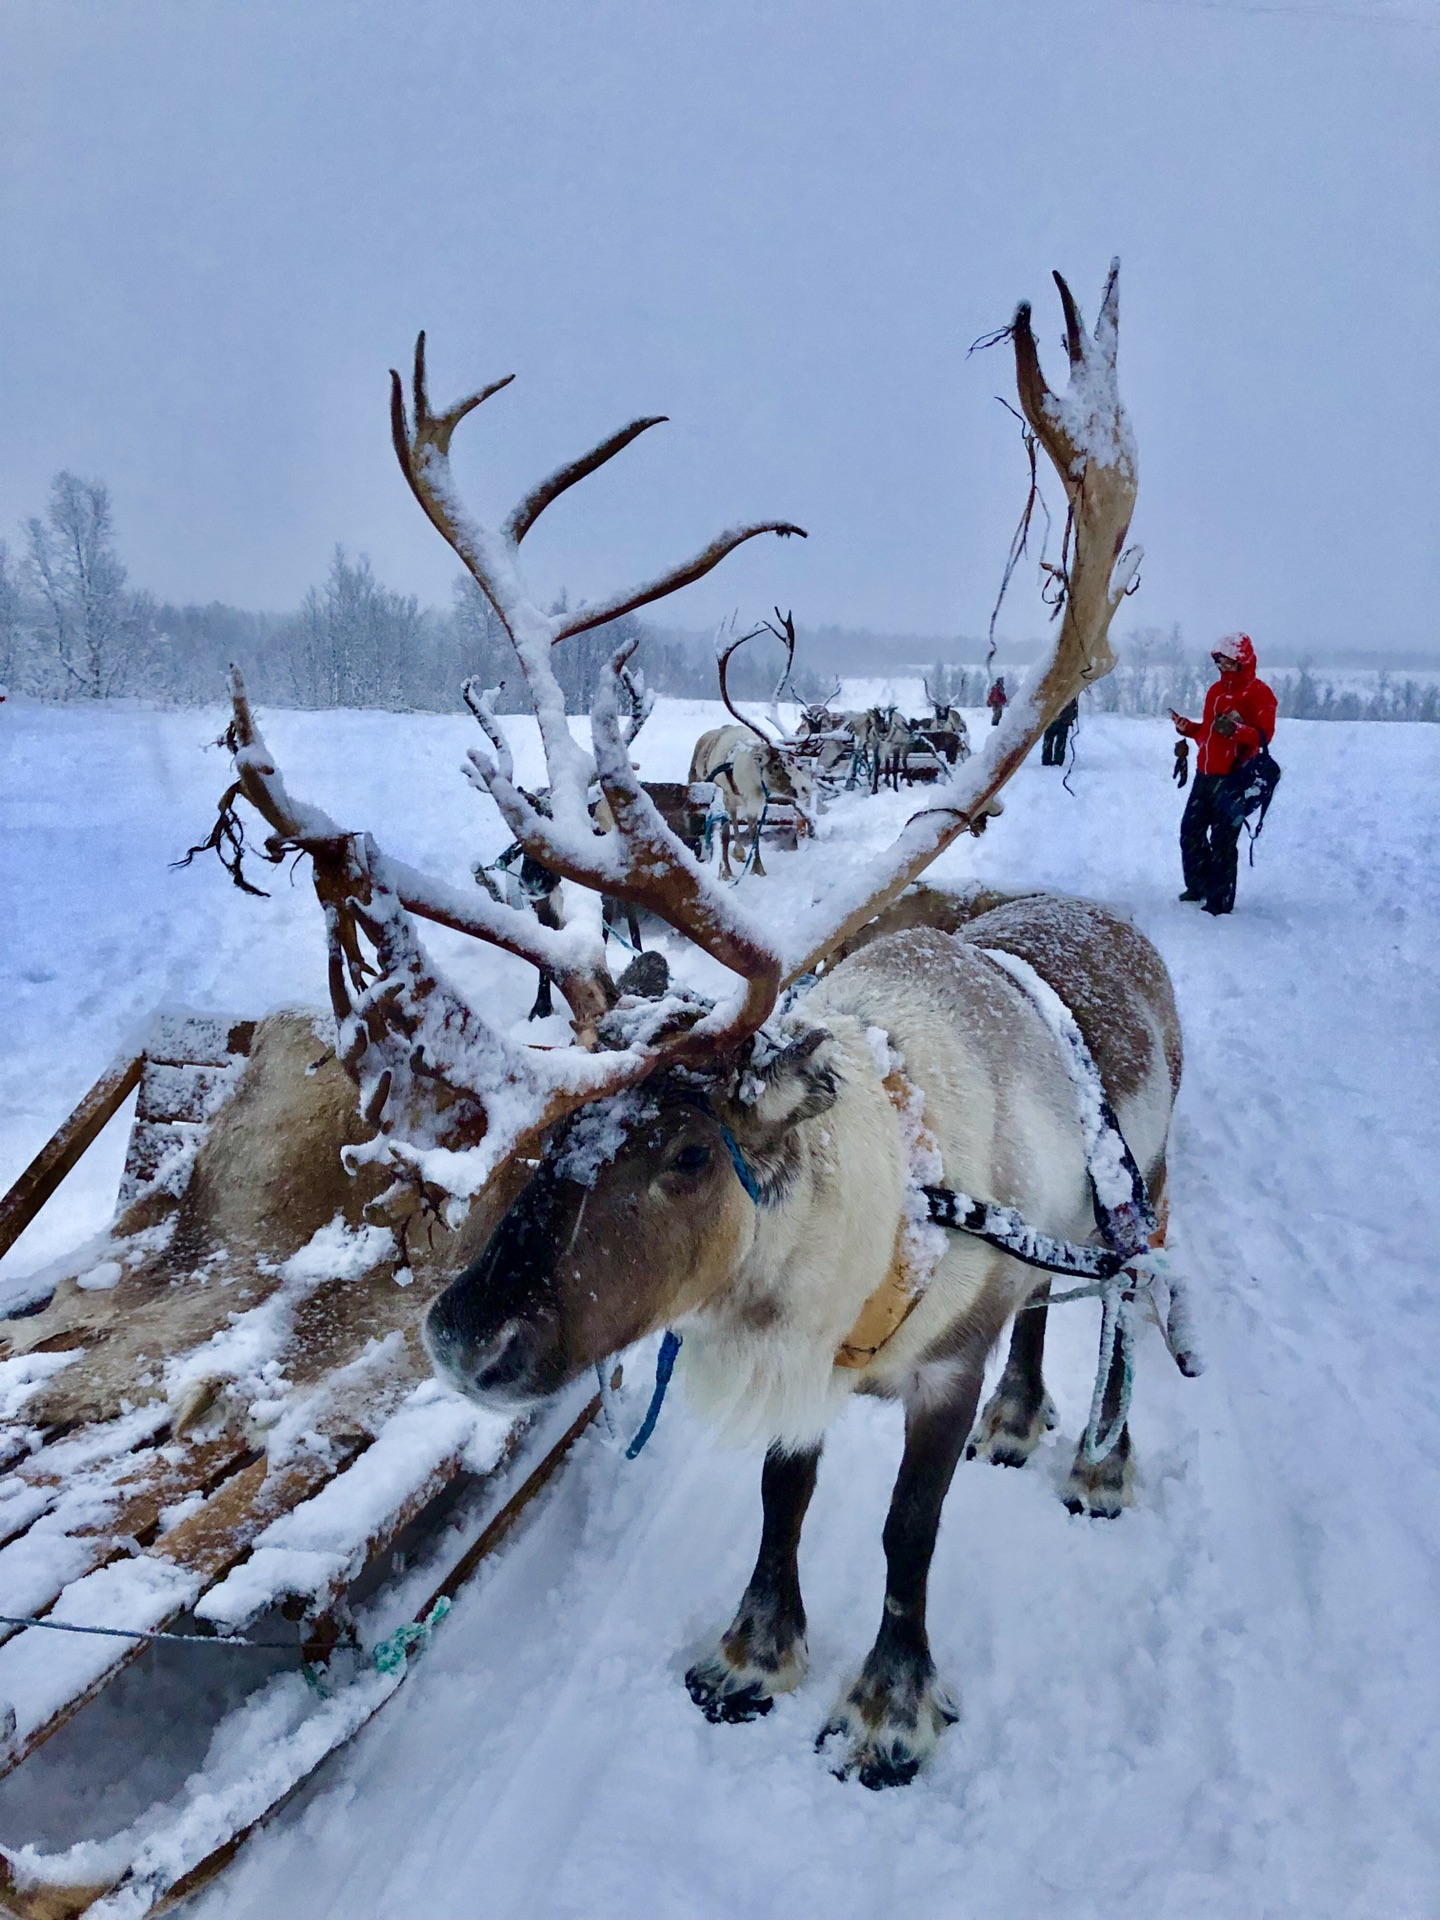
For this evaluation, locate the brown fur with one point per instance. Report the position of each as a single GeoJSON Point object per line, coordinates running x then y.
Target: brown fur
{"type": "Point", "coordinates": [921, 905]}
{"type": "Point", "coordinates": [1102, 967]}
{"type": "Point", "coordinates": [267, 1177]}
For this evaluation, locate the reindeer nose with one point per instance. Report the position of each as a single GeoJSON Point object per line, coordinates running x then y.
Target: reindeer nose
{"type": "Point", "coordinates": [484, 1364]}
{"type": "Point", "coordinates": [503, 1362]}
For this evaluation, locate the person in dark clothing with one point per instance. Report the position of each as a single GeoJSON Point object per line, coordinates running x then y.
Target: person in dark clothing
{"type": "Point", "coordinates": [997, 700]}
{"type": "Point", "coordinates": [1239, 719]}
{"type": "Point", "coordinates": [1057, 736]}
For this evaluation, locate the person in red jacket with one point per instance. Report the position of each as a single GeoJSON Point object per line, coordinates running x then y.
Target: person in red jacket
{"type": "Point", "coordinates": [1239, 719]}
{"type": "Point", "coordinates": [997, 700]}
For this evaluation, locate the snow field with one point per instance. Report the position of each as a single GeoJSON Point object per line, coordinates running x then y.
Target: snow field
{"type": "Point", "coordinates": [1223, 1705]}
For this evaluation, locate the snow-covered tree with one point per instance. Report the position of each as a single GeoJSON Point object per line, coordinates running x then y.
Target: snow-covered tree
{"type": "Point", "coordinates": [91, 632]}
{"type": "Point", "coordinates": [354, 642]}
{"type": "Point", "coordinates": [13, 636]}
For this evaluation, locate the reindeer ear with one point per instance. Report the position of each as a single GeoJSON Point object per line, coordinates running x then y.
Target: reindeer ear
{"type": "Point", "coordinates": [791, 1083]}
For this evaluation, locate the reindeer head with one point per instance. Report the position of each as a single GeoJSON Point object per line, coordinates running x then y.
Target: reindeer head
{"type": "Point", "coordinates": [641, 1207]}
{"type": "Point", "coordinates": [450, 1099]}
{"type": "Point", "coordinates": [786, 779]}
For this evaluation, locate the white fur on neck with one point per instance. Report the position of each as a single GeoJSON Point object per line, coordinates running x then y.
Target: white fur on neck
{"type": "Point", "coordinates": [759, 1362]}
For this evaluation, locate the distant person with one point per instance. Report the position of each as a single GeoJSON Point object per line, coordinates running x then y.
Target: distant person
{"type": "Point", "coordinates": [1238, 721]}
{"type": "Point", "coordinates": [997, 700]}
{"type": "Point", "coordinates": [1057, 736]}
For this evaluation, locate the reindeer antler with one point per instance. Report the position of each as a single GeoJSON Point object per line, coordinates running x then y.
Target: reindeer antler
{"type": "Point", "coordinates": [433, 1074]}
{"type": "Point", "coordinates": [1087, 435]}
{"type": "Point", "coordinates": [723, 657]}
{"type": "Point", "coordinates": [400, 1018]}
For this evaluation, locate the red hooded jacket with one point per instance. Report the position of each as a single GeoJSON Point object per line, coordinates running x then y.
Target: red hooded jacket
{"type": "Point", "coordinates": [1252, 703]}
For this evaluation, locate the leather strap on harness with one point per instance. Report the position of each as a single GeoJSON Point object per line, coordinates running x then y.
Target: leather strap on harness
{"type": "Point", "coordinates": [898, 1294]}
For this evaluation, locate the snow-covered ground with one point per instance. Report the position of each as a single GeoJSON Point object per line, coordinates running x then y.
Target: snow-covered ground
{"type": "Point", "coordinates": [1226, 1704]}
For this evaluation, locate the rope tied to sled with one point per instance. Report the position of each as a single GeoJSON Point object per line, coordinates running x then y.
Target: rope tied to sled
{"type": "Point", "coordinates": [414, 1637]}
{"type": "Point", "coordinates": [388, 1656]}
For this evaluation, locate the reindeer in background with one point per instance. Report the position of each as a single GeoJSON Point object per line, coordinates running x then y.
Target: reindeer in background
{"type": "Point", "coordinates": [946, 729]}
{"type": "Point", "coordinates": [756, 777]}
{"type": "Point", "coordinates": [746, 1179]}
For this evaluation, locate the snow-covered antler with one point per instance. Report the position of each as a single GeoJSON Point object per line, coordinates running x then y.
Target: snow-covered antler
{"type": "Point", "coordinates": [422, 447]}
{"type": "Point", "coordinates": [434, 1077]}
{"type": "Point", "coordinates": [1087, 436]}
{"type": "Point", "coordinates": [640, 703]}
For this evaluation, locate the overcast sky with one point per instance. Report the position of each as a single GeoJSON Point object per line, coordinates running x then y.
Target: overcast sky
{"type": "Point", "coordinates": [779, 221]}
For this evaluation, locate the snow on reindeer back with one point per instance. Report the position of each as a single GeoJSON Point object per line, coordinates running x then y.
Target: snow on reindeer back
{"type": "Point", "coordinates": [1104, 1145]}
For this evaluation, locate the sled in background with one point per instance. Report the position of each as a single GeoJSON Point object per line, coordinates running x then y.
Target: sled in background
{"type": "Point", "coordinates": [222, 1422]}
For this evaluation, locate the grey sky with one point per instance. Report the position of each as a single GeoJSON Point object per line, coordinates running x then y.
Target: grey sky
{"type": "Point", "coordinates": [780, 223]}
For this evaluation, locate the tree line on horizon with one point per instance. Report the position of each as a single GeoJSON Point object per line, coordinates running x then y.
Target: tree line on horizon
{"type": "Point", "coordinates": [72, 627]}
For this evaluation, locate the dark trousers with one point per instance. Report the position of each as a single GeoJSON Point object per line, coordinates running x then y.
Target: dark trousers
{"type": "Point", "coordinates": [1209, 838]}
{"type": "Point", "coordinates": [1057, 738]}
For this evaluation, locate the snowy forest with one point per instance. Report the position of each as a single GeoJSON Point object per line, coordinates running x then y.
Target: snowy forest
{"type": "Point", "coordinates": [73, 627]}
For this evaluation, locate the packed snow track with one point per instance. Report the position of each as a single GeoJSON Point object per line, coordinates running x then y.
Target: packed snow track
{"type": "Point", "coordinates": [1224, 1705]}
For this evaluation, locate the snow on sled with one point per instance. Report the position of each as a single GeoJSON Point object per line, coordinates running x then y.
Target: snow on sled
{"type": "Point", "coordinates": [223, 1416]}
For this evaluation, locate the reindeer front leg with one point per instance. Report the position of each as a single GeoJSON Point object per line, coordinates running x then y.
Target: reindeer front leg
{"type": "Point", "coordinates": [893, 1715]}
{"type": "Point", "coordinates": [757, 866]}
{"type": "Point", "coordinates": [762, 1652]}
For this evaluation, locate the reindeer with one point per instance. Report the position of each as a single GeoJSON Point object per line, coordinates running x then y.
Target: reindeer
{"type": "Point", "coordinates": [892, 740]}
{"type": "Point", "coordinates": [945, 731]}
{"type": "Point", "coordinates": [824, 738]}
{"type": "Point", "coordinates": [817, 718]}
{"type": "Point", "coordinates": [746, 1179]}
{"type": "Point", "coordinates": [750, 770]}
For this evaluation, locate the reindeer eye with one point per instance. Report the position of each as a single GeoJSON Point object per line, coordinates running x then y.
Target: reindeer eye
{"type": "Point", "coordinates": [691, 1159]}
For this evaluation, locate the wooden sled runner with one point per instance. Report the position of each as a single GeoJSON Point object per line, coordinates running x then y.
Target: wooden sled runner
{"type": "Point", "coordinates": [222, 1422]}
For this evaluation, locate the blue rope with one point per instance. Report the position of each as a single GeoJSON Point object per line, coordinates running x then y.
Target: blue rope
{"type": "Point", "coordinates": [744, 1172]}
{"type": "Point", "coordinates": [664, 1367]}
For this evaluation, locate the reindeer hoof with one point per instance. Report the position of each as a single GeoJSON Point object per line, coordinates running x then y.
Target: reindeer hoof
{"type": "Point", "coordinates": [739, 1682]}
{"type": "Point", "coordinates": [1101, 1490]}
{"type": "Point", "coordinates": [724, 1704]}
{"type": "Point", "coordinates": [1009, 1431]}
{"type": "Point", "coordinates": [891, 1732]}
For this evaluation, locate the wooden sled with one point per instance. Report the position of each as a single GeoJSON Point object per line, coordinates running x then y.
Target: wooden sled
{"type": "Point", "coordinates": [222, 1422]}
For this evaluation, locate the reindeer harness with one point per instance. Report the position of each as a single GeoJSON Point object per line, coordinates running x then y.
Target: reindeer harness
{"type": "Point", "coordinates": [1118, 1273]}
